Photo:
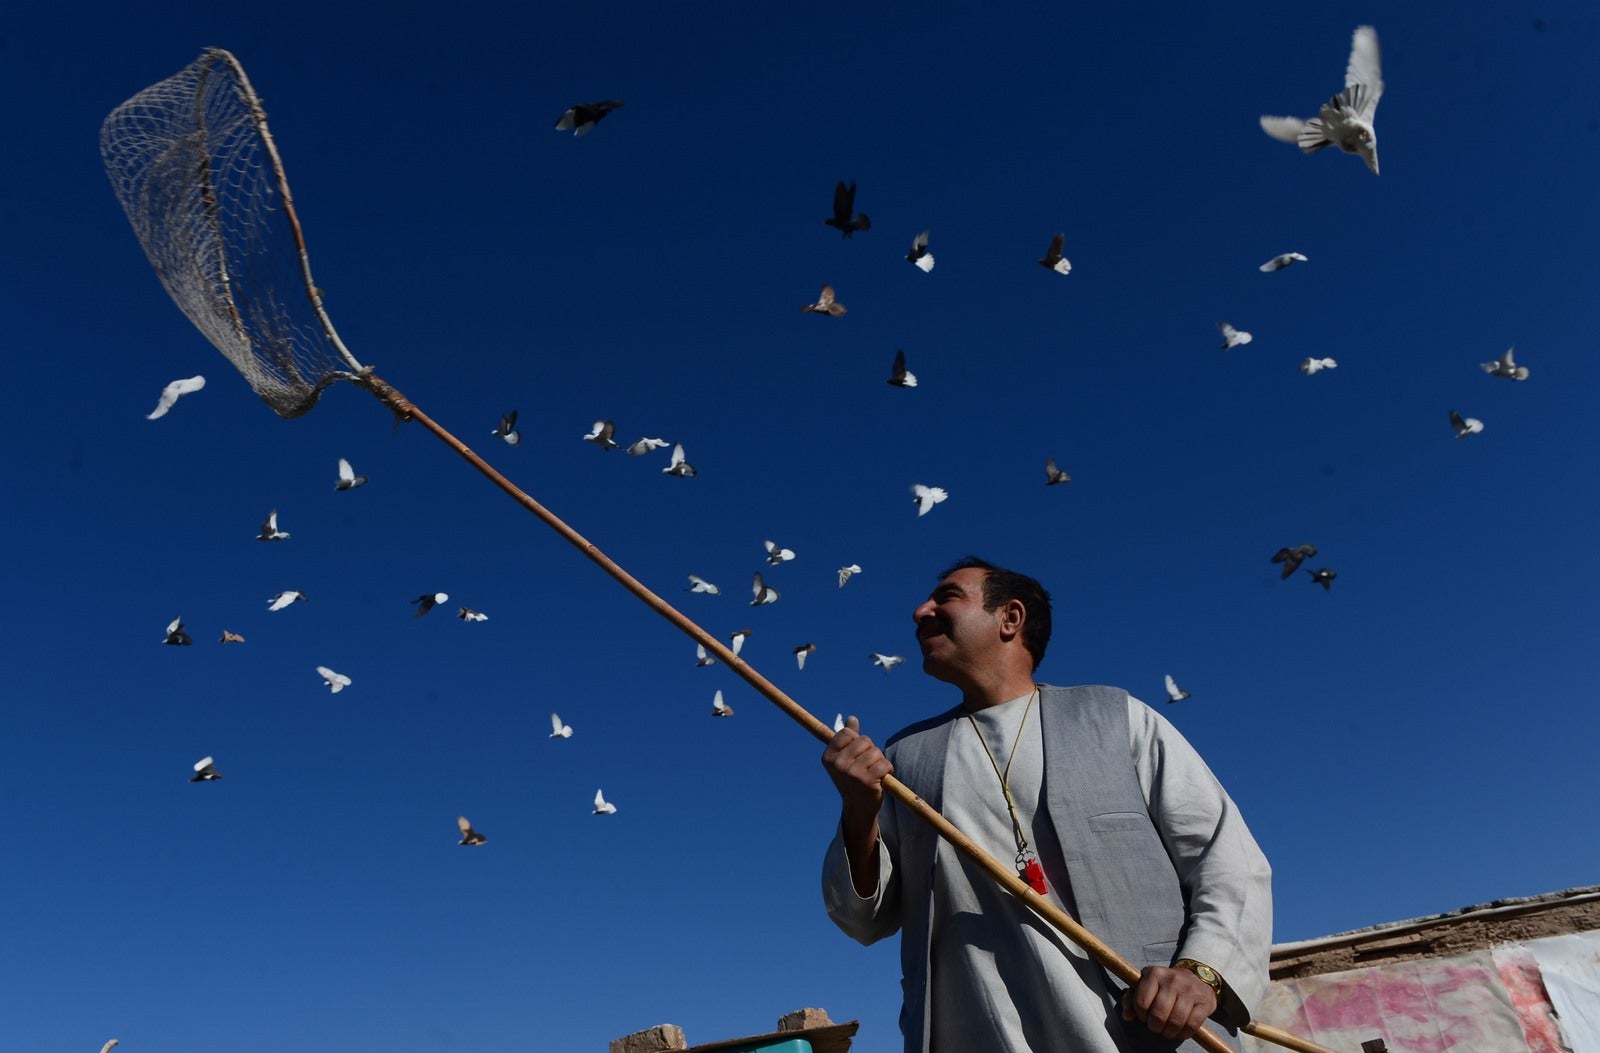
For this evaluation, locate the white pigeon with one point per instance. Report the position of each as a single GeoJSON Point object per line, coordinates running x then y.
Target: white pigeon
{"type": "Point", "coordinates": [205, 770]}
{"type": "Point", "coordinates": [801, 653]}
{"type": "Point", "coordinates": [838, 722]}
{"type": "Point", "coordinates": [720, 708]}
{"type": "Point", "coordinates": [699, 584]}
{"type": "Point", "coordinates": [601, 434]}
{"type": "Point", "coordinates": [763, 593]}
{"type": "Point", "coordinates": [899, 375]}
{"type": "Point", "coordinates": [777, 554]}
{"type": "Point", "coordinates": [1505, 366]}
{"type": "Point", "coordinates": [886, 661]}
{"type": "Point", "coordinates": [269, 529]}
{"type": "Point", "coordinates": [1053, 259]}
{"type": "Point", "coordinates": [507, 429]}
{"type": "Point", "coordinates": [558, 729]}
{"type": "Point", "coordinates": [175, 634]}
{"type": "Point", "coordinates": [469, 836]}
{"type": "Point", "coordinates": [1316, 365]}
{"type": "Point", "coordinates": [336, 682]}
{"type": "Point", "coordinates": [348, 479]}
{"type": "Point", "coordinates": [172, 393]}
{"type": "Point", "coordinates": [919, 253]}
{"type": "Point", "coordinates": [1278, 263]}
{"type": "Point", "coordinates": [1345, 120]}
{"type": "Point", "coordinates": [1174, 693]}
{"type": "Point", "coordinates": [701, 657]}
{"type": "Point", "coordinates": [846, 572]}
{"type": "Point", "coordinates": [427, 602]}
{"type": "Point", "coordinates": [467, 614]}
{"type": "Point", "coordinates": [926, 497]}
{"type": "Point", "coordinates": [644, 446]}
{"type": "Point", "coordinates": [677, 465]}
{"type": "Point", "coordinates": [1232, 337]}
{"type": "Point", "coordinates": [283, 599]}
{"type": "Point", "coordinates": [737, 639]}
{"type": "Point", "coordinates": [601, 805]}
{"type": "Point", "coordinates": [1465, 426]}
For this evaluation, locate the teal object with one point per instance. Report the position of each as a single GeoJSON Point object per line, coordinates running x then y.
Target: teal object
{"type": "Point", "coordinates": [788, 1045]}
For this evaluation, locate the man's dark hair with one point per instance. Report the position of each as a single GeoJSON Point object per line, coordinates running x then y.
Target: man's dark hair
{"type": "Point", "coordinates": [1002, 586]}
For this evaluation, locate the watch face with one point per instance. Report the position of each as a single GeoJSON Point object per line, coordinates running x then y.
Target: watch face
{"type": "Point", "coordinates": [1206, 973]}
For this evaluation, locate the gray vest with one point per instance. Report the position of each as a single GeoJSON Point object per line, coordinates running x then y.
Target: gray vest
{"type": "Point", "coordinates": [1122, 879]}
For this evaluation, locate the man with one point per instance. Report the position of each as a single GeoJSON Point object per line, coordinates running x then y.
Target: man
{"type": "Point", "coordinates": [1103, 805]}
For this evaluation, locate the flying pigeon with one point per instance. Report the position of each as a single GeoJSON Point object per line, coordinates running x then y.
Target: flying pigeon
{"type": "Point", "coordinates": [644, 446]}
{"type": "Point", "coordinates": [602, 806]}
{"type": "Point", "coordinates": [1053, 259]}
{"type": "Point", "coordinates": [1316, 365]}
{"type": "Point", "coordinates": [427, 601]}
{"type": "Point", "coordinates": [701, 657]}
{"type": "Point", "coordinates": [838, 722]}
{"type": "Point", "coordinates": [1054, 475]}
{"type": "Point", "coordinates": [228, 637]}
{"type": "Point", "coordinates": [1291, 558]}
{"type": "Point", "coordinates": [763, 592]}
{"type": "Point", "coordinates": [926, 497]}
{"type": "Point", "coordinates": [678, 466]}
{"type": "Point", "coordinates": [1345, 120]}
{"type": "Point", "coordinates": [1278, 263]}
{"type": "Point", "coordinates": [1465, 426]}
{"type": "Point", "coordinates": [1324, 577]}
{"type": "Point", "coordinates": [801, 652]}
{"type": "Point", "coordinates": [825, 304]}
{"type": "Point", "coordinates": [467, 614]}
{"type": "Point", "coordinates": [174, 391]}
{"type": "Point", "coordinates": [919, 253]}
{"type": "Point", "coordinates": [469, 836]}
{"type": "Point", "coordinates": [559, 730]}
{"type": "Point", "coordinates": [899, 375]}
{"type": "Point", "coordinates": [845, 572]}
{"type": "Point", "coordinates": [845, 218]}
{"type": "Point", "coordinates": [348, 479]}
{"type": "Point", "coordinates": [1504, 366]}
{"type": "Point", "coordinates": [175, 634]}
{"type": "Point", "coordinates": [886, 661]}
{"type": "Point", "coordinates": [1174, 692]}
{"type": "Point", "coordinates": [720, 708]}
{"type": "Point", "coordinates": [269, 529]}
{"type": "Point", "coordinates": [737, 638]}
{"type": "Point", "coordinates": [507, 429]}
{"type": "Point", "coordinates": [699, 584]}
{"type": "Point", "coordinates": [283, 599]}
{"type": "Point", "coordinates": [204, 771]}
{"type": "Point", "coordinates": [601, 435]}
{"type": "Point", "coordinates": [335, 682]}
{"type": "Point", "coordinates": [583, 116]}
{"type": "Point", "coordinates": [1232, 337]}
{"type": "Point", "coordinates": [776, 555]}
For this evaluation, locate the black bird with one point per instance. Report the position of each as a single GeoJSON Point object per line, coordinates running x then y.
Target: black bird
{"type": "Point", "coordinates": [581, 118]}
{"type": "Point", "coordinates": [507, 429]}
{"type": "Point", "coordinates": [899, 375]}
{"type": "Point", "coordinates": [1291, 558]}
{"type": "Point", "coordinates": [845, 218]}
{"type": "Point", "coordinates": [176, 637]}
{"type": "Point", "coordinates": [469, 836]}
{"type": "Point", "coordinates": [1323, 577]}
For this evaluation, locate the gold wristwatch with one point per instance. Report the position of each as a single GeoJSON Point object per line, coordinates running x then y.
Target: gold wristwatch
{"type": "Point", "coordinates": [1207, 975]}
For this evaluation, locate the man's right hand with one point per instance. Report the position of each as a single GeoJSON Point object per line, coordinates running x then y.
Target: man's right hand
{"type": "Point", "coordinates": [857, 768]}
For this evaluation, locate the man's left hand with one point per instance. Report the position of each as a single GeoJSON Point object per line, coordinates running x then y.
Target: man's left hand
{"type": "Point", "coordinates": [1173, 1003]}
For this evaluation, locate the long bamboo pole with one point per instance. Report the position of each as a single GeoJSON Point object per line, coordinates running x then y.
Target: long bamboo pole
{"type": "Point", "coordinates": [1003, 875]}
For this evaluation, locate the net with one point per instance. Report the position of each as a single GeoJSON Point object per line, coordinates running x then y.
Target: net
{"type": "Point", "coordinates": [196, 171]}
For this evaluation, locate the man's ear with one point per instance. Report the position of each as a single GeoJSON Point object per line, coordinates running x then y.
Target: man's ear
{"type": "Point", "coordinates": [1013, 615]}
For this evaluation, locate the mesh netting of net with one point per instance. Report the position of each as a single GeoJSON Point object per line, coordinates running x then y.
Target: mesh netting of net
{"type": "Point", "coordinates": [195, 169]}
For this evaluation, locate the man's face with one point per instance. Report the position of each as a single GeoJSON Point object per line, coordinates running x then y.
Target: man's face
{"type": "Point", "coordinates": [954, 631]}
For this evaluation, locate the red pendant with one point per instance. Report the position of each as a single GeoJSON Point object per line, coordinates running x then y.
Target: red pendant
{"type": "Point", "coordinates": [1033, 874]}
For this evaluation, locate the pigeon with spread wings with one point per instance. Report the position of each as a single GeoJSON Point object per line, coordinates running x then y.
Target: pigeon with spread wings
{"type": "Point", "coordinates": [1346, 119]}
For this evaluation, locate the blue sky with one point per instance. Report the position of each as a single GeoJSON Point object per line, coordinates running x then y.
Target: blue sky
{"type": "Point", "coordinates": [1417, 739]}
